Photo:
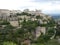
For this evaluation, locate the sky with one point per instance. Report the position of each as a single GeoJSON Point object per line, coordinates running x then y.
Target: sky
{"type": "Point", "coordinates": [47, 6]}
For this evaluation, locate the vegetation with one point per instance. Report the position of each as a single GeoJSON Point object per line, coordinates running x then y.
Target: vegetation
{"type": "Point", "coordinates": [10, 35]}
{"type": "Point", "coordinates": [9, 43]}
{"type": "Point", "coordinates": [39, 17]}
{"type": "Point", "coordinates": [4, 22]}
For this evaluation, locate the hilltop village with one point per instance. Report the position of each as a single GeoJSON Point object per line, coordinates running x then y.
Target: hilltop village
{"type": "Point", "coordinates": [14, 15]}
{"type": "Point", "coordinates": [25, 26]}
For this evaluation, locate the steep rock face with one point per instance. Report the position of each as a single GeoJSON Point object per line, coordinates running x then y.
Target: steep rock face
{"type": "Point", "coordinates": [14, 23]}
{"type": "Point", "coordinates": [40, 30]}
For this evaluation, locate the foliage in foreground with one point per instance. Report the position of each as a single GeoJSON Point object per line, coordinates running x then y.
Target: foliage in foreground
{"type": "Point", "coordinates": [9, 43]}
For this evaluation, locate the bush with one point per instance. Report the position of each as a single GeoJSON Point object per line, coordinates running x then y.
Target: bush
{"type": "Point", "coordinates": [4, 23]}
{"type": "Point", "coordinates": [9, 43]}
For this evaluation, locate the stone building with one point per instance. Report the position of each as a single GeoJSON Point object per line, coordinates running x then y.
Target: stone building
{"type": "Point", "coordinates": [4, 13]}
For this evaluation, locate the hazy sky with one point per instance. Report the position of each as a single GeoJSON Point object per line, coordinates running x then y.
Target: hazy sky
{"type": "Point", "coordinates": [47, 6]}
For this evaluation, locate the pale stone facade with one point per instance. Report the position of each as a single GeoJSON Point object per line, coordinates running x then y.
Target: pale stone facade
{"type": "Point", "coordinates": [5, 13]}
{"type": "Point", "coordinates": [13, 12]}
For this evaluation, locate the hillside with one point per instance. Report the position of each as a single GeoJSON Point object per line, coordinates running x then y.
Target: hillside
{"type": "Point", "coordinates": [27, 27]}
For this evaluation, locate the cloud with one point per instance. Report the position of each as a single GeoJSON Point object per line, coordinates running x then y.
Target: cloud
{"type": "Point", "coordinates": [44, 0]}
{"type": "Point", "coordinates": [13, 4]}
{"type": "Point", "coordinates": [48, 6]}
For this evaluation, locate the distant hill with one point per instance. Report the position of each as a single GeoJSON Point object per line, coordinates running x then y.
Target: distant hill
{"type": "Point", "coordinates": [56, 16]}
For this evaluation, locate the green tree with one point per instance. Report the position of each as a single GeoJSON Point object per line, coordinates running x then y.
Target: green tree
{"type": "Point", "coordinates": [39, 17]}
{"type": "Point", "coordinates": [25, 32]}
{"type": "Point", "coordinates": [43, 39]}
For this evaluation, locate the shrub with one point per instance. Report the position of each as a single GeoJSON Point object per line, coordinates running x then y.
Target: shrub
{"type": "Point", "coordinates": [9, 43]}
